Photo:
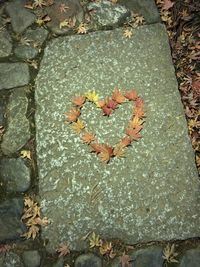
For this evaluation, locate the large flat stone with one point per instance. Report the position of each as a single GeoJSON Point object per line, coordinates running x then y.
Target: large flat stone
{"type": "Point", "coordinates": [153, 193]}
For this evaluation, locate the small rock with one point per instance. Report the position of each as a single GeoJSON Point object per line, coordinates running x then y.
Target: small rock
{"type": "Point", "coordinates": [74, 10]}
{"type": "Point", "coordinates": [31, 258]}
{"type": "Point", "coordinates": [18, 132]}
{"type": "Point", "coordinates": [59, 263]}
{"type": "Point", "coordinates": [12, 260]}
{"type": "Point", "coordinates": [11, 226]}
{"type": "Point", "coordinates": [15, 174]}
{"type": "Point", "coordinates": [38, 35]}
{"type": "Point", "coordinates": [143, 258]}
{"type": "Point", "coordinates": [107, 14]}
{"type": "Point", "coordinates": [21, 18]}
{"type": "Point", "coordinates": [25, 52]}
{"type": "Point", "coordinates": [13, 75]}
{"type": "Point", "coordinates": [88, 260]}
{"type": "Point", "coordinates": [5, 44]}
{"type": "Point", "coordinates": [191, 258]}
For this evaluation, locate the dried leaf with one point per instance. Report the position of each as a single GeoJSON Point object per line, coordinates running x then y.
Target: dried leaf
{"type": "Point", "coordinates": [95, 147]}
{"type": "Point", "coordinates": [118, 97]}
{"type": "Point", "coordinates": [167, 4]}
{"type": "Point", "coordinates": [106, 153]}
{"type": "Point", "coordinates": [88, 137]}
{"type": "Point", "coordinates": [169, 253]}
{"type": "Point", "coordinates": [126, 141]}
{"type": "Point", "coordinates": [107, 111]}
{"type": "Point", "coordinates": [111, 104]}
{"type": "Point", "coordinates": [127, 33]}
{"type": "Point", "coordinates": [119, 151]}
{"type": "Point", "coordinates": [133, 133]}
{"type": "Point", "coordinates": [78, 126]}
{"type": "Point", "coordinates": [105, 248]}
{"type": "Point", "coordinates": [92, 96]}
{"type": "Point", "coordinates": [72, 115]}
{"type": "Point", "coordinates": [131, 95]}
{"type": "Point", "coordinates": [78, 101]}
{"type": "Point", "coordinates": [63, 8]}
{"type": "Point", "coordinates": [25, 154]}
{"type": "Point", "coordinates": [63, 250]}
{"type": "Point", "coordinates": [125, 260]}
{"type": "Point", "coordinates": [32, 232]}
{"type": "Point", "coordinates": [94, 240]}
{"type": "Point", "coordinates": [82, 28]}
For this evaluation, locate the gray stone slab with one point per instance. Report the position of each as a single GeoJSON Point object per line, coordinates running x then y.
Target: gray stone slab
{"type": "Point", "coordinates": [191, 258]}
{"type": "Point", "coordinates": [18, 130]}
{"type": "Point", "coordinates": [5, 44]}
{"type": "Point", "coordinates": [153, 193]}
{"type": "Point", "coordinates": [13, 75]}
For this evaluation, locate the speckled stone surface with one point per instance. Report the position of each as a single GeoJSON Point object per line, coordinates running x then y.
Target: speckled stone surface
{"type": "Point", "coordinates": [153, 193]}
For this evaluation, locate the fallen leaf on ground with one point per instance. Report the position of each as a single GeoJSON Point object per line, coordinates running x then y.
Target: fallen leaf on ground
{"type": "Point", "coordinates": [78, 126]}
{"type": "Point", "coordinates": [131, 95]}
{"type": "Point", "coordinates": [106, 153]}
{"type": "Point", "coordinates": [117, 96]}
{"type": "Point", "coordinates": [119, 151]}
{"type": "Point", "coordinates": [25, 154]}
{"type": "Point", "coordinates": [92, 96]}
{"type": "Point", "coordinates": [78, 100]}
{"type": "Point", "coordinates": [167, 4]}
{"type": "Point", "coordinates": [63, 250]}
{"type": "Point", "coordinates": [82, 28]}
{"type": "Point", "coordinates": [125, 260]}
{"type": "Point", "coordinates": [72, 115]}
{"type": "Point", "coordinates": [88, 137]}
{"type": "Point", "coordinates": [169, 253]}
{"type": "Point", "coordinates": [94, 240]}
{"type": "Point", "coordinates": [127, 33]}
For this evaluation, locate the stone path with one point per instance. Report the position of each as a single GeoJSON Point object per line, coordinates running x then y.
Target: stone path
{"type": "Point", "coordinates": [150, 195]}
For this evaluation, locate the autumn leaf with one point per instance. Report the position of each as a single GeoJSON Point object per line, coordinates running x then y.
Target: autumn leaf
{"type": "Point", "coordinates": [88, 137]}
{"type": "Point", "coordinates": [125, 260]}
{"type": "Point", "coordinates": [169, 253]}
{"type": "Point", "coordinates": [105, 248]}
{"type": "Point", "coordinates": [82, 28]}
{"type": "Point", "coordinates": [138, 112]}
{"type": "Point", "coordinates": [72, 115]}
{"type": "Point", "coordinates": [139, 103]}
{"type": "Point", "coordinates": [25, 154]}
{"type": "Point", "coordinates": [111, 104]}
{"type": "Point", "coordinates": [107, 111]}
{"type": "Point", "coordinates": [63, 250]}
{"type": "Point", "coordinates": [119, 151]}
{"type": "Point", "coordinates": [106, 153]}
{"type": "Point", "coordinates": [92, 96]}
{"type": "Point", "coordinates": [125, 141]}
{"type": "Point", "coordinates": [135, 122]}
{"type": "Point", "coordinates": [95, 147]}
{"type": "Point", "coordinates": [32, 232]}
{"type": "Point", "coordinates": [64, 23]}
{"type": "Point", "coordinates": [94, 240]}
{"type": "Point", "coordinates": [101, 103]}
{"type": "Point", "coordinates": [127, 33]}
{"type": "Point", "coordinates": [78, 126]}
{"type": "Point", "coordinates": [63, 8]}
{"type": "Point", "coordinates": [78, 101]}
{"type": "Point", "coordinates": [131, 95]}
{"type": "Point", "coordinates": [118, 97]}
{"type": "Point", "coordinates": [133, 133]}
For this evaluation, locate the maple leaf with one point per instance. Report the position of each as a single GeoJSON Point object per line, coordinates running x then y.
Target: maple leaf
{"type": "Point", "coordinates": [105, 247]}
{"type": "Point", "coordinates": [25, 154]}
{"type": "Point", "coordinates": [92, 96]}
{"type": "Point", "coordinates": [42, 20]}
{"type": "Point", "coordinates": [101, 103]}
{"type": "Point", "coordinates": [72, 115]}
{"type": "Point", "coordinates": [64, 23]}
{"type": "Point", "coordinates": [43, 222]}
{"type": "Point", "coordinates": [111, 104]}
{"type": "Point", "coordinates": [138, 112]}
{"type": "Point", "coordinates": [106, 153]}
{"type": "Point", "coordinates": [127, 33]}
{"type": "Point", "coordinates": [4, 248]}
{"type": "Point", "coordinates": [94, 240]}
{"type": "Point", "coordinates": [63, 8]}
{"type": "Point", "coordinates": [125, 260]}
{"type": "Point", "coordinates": [88, 137]}
{"type": "Point", "coordinates": [78, 101]}
{"type": "Point", "coordinates": [131, 95]}
{"type": "Point", "coordinates": [135, 122]}
{"type": "Point", "coordinates": [167, 4]}
{"type": "Point", "coordinates": [95, 147]}
{"type": "Point", "coordinates": [119, 151]}
{"type": "Point", "coordinates": [82, 28]}
{"type": "Point", "coordinates": [39, 3]}
{"type": "Point", "coordinates": [107, 111]}
{"type": "Point", "coordinates": [32, 232]}
{"type": "Point", "coordinates": [169, 253]}
{"type": "Point", "coordinates": [63, 250]}
{"type": "Point", "coordinates": [78, 126]}
{"type": "Point", "coordinates": [133, 133]}
{"type": "Point", "coordinates": [126, 141]}
{"type": "Point", "coordinates": [139, 103]}
{"type": "Point", "coordinates": [117, 96]}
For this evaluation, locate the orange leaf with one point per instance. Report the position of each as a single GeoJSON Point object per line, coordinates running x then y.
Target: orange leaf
{"type": "Point", "coordinates": [135, 122]}
{"type": "Point", "coordinates": [118, 97]}
{"type": "Point", "coordinates": [111, 104]}
{"type": "Point", "coordinates": [139, 103]}
{"type": "Point", "coordinates": [133, 133]}
{"type": "Point", "coordinates": [107, 111]}
{"type": "Point", "coordinates": [119, 151]}
{"type": "Point", "coordinates": [78, 100]}
{"type": "Point", "coordinates": [72, 115]}
{"type": "Point", "coordinates": [97, 148]}
{"type": "Point", "coordinates": [88, 137]}
{"type": "Point", "coordinates": [126, 141]}
{"type": "Point", "coordinates": [106, 153]}
{"type": "Point", "coordinates": [138, 112]}
{"type": "Point", "coordinates": [131, 95]}
{"type": "Point", "coordinates": [101, 103]}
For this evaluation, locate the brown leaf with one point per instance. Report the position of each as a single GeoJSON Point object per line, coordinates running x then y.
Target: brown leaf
{"type": "Point", "coordinates": [72, 115]}
{"type": "Point", "coordinates": [125, 260]}
{"type": "Point", "coordinates": [131, 95]}
{"type": "Point", "coordinates": [167, 4]}
{"type": "Point", "coordinates": [63, 250]}
{"type": "Point", "coordinates": [119, 151]}
{"type": "Point", "coordinates": [133, 133]}
{"type": "Point", "coordinates": [107, 111]}
{"type": "Point", "coordinates": [88, 137]}
{"type": "Point", "coordinates": [95, 147]}
{"type": "Point", "coordinates": [126, 141]}
{"type": "Point", "coordinates": [78, 100]}
{"type": "Point", "coordinates": [106, 153]}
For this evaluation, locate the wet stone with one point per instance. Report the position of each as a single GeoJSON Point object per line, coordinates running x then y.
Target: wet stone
{"type": "Point", "coordinates": [11, 226]}
{"type": "Point", "coordinates": [151, 256]}
{"type": "Point", "coordinates": [88, 260]}
{"type": "Point", "coordinates": [18, 131]}
{"type": "Point", "coordinates": [5, 44]}
{"type": "Point", "coordinates": [106, 14]}
{"type": "Point", "coordinates": [21, 18]}
{"type": "Point", "coordinates": [13, 75]}
{"type": "Point", "coordinates": [152, 193]}
{"type": "Point", "coordinates": [2, 111]}
{"type": "Point", "coordinates": [31, 258]}
{"type": "Point", "coordinates": [191, 258]}
{"type": "Point", "coordinates": [15, 174]}
{"type": "Point", "coordinates": [74, 10]}
{"type": "Point", "coordinates": [12, 260]}
{"type": "Point", "coordinates": [146, 8]}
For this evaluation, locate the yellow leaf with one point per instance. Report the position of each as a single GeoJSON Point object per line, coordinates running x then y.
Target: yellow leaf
{"type": "Point", "coordinates": [127, 33]}
{"type": "Point", "coordinates": [25, 154]}
{"type": "Point", "coordinates": [95, 241]}
{"type": "Point", "coordinates": [92, 97]}
{"type": "Point", "coordinates": [78, 126]}
{"type": "Point", "coordinates": [64, 23]}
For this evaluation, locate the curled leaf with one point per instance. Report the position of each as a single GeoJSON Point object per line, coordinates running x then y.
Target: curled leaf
{"type": "Point", "coordinates": [72, 115]}
{"type": "Point", "coordinates": [78, 126]}
{"type": "Point", "coordinates": [88, 137]}
{"type": "Point", "coordinates": [78, 100]}
{"type": "Point", "coordinates": [131, 95]}
{"type": "Point", "coordinates": [117, 96]}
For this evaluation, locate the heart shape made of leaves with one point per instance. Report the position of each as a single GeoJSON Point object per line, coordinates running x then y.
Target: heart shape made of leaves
{"type": "Point", "coordinates": [108, 106]}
